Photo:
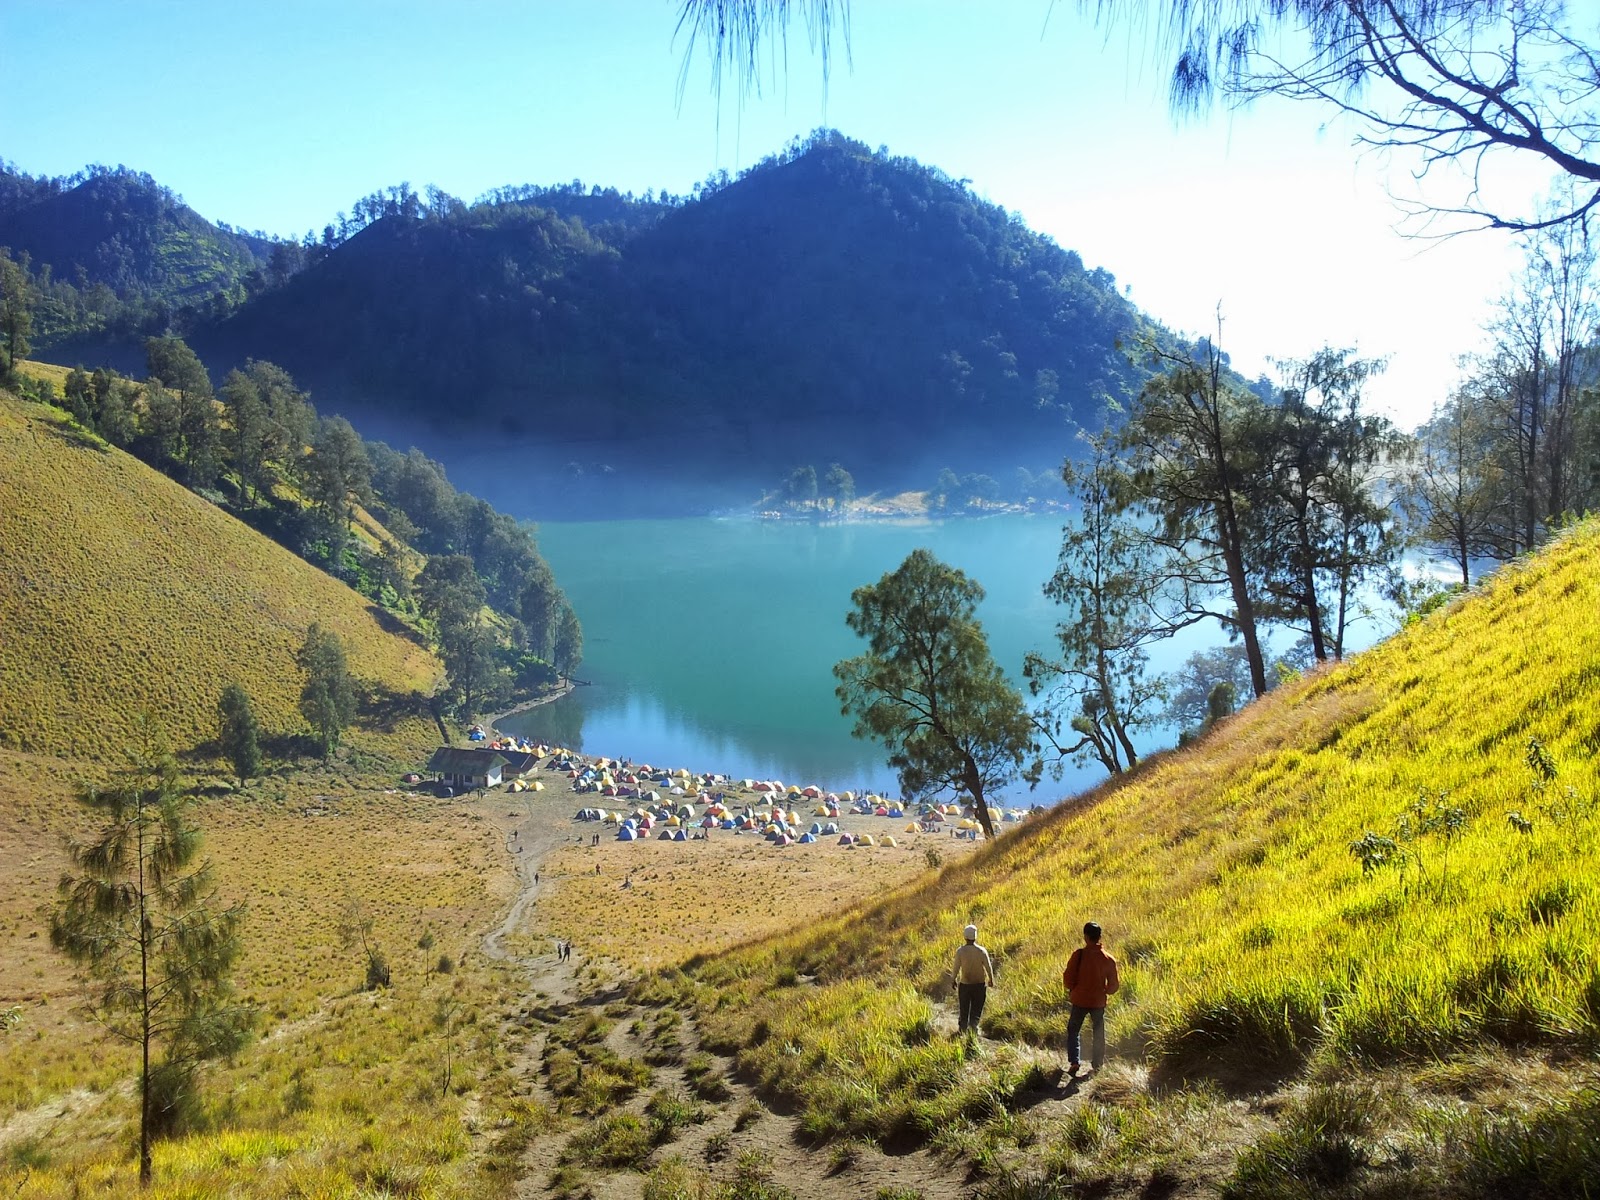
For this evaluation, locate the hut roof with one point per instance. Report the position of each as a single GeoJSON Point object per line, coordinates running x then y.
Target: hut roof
{"type": "Point", "coordinates": [450, 760]}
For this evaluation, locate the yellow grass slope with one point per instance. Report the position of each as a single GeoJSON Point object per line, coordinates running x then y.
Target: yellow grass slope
{"type": "Point", "coordinates": [123, 590]}
{"type": "Point", "coordinates": [1252, 940]}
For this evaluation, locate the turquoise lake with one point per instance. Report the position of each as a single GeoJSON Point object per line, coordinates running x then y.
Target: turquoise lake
{"type": "Point", "coordinates": [709, 643]}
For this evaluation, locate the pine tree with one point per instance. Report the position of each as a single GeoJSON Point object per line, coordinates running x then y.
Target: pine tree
{"type": "Point", "coordinates": [239, 734]}
{"type": "Point", "coordinates": [142, 917]}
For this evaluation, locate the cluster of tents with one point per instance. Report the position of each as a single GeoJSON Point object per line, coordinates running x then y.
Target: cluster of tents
{"type": "Point", "coordinates": [648, 784]}
{"type": "Point", "coordinates": [675, 805]}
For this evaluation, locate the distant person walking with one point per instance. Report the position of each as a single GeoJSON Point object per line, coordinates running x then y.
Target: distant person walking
{"type": "Point", "coordinates": [1090, 978]}
{"type": "Point", "coordinates": [974, 975]}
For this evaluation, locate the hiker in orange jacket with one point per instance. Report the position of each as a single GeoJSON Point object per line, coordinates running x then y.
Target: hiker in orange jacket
{"type": "Point", "coordinates": [1090, 977]}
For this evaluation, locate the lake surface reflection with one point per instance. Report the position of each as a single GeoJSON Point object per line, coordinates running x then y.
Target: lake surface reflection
{"type": "Point", "coordinates": [709, 643]}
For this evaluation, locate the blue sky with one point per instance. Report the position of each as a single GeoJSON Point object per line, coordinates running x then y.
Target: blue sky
{"type": "Point", "coordinates": [276, 116]}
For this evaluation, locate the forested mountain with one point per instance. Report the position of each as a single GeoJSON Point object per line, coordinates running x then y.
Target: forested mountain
{"type": "Point", "coordinates": [120, 230]}
{"type": "Point", "coordinates": [830, 304]}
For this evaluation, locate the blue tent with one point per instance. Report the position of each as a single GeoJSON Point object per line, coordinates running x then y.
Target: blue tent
{"type": "Point", "coordinates": [626, 834]}
{"type": "Point", "coordinates": [816, 828]}
{"type": "Point", "coordinates": [808, 838]}
{"type": "Point", "coordinates": [832, 827]}
{"type": "Point", "coordinates": [679, 835]}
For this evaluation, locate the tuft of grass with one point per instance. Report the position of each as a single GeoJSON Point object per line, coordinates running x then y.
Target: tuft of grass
{"type": "Point", "coordinates": [1552, 1152]}
{"type": "Point", "coordinates": [615, 1140]}
{"type": "Point", "coordinates": [1318, 1148]}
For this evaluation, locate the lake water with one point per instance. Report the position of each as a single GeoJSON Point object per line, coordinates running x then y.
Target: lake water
{"type": "Point", "coordinates": [709, 643]}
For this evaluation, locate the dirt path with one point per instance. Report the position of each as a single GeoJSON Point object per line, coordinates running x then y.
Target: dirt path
{"type": "Point", "coordinates": [738, 1121]}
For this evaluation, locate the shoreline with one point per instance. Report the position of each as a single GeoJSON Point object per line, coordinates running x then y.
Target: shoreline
{"type": "Point", "coordinates": [489, 722]}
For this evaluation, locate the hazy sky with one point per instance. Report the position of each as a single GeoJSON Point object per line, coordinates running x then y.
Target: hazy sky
{"type": "Point", "coordinates": [276, 116]}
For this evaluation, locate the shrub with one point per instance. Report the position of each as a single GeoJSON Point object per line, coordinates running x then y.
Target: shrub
{"type": "Point", "coordinates": [670, 1112]}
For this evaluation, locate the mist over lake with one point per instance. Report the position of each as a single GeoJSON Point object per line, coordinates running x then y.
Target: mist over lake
{"type": "Point", "coordinates": [709, 643]}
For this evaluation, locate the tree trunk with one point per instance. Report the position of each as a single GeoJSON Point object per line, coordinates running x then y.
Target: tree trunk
{"type": "Point", "coordinates": [1239, 586]}
{"type": "Point", "coordinates": [146, 1166]}
{"type": "Point", "coordinates": [973, 778]}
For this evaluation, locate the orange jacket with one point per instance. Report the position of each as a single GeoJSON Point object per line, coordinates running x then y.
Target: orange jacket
{"type": "Point", "coordinates": [1091, 976]}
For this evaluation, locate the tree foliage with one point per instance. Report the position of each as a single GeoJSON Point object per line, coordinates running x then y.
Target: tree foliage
{"type": "Point", "coordinates": [1098, 689]}
{"type": "Point", "coordinates": [140, 913]}
{"type": "Point", "coordinates": [238, 732]}
{"type": "Point", "coordinates": [1193, 445]}
{"type": "Point", "coordinates": [1474, 84]}
{"type": "Point", "coordinates": [17, 299]}
{"type": "Point", "coordinates": [328, 697]}
{"type": "Point", "coordinates": [1511, 455]}
{"type": "Point", "coordinates": [1324, 524]}
{"type": "Point", "coordinates": [927, 687]}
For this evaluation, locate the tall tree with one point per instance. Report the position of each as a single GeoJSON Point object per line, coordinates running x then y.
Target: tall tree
{"type": "Point", "coordinates": [144, 918]}
{"type": "Point", "coordinates": [1322, 525]}
{"type": "Point", "coordinates": [338, 476]}
{"type": "Point", "coordinates": [328, 697]}
{"type": "Point", "coordinates": [78, 392]}
{"type": "Point", "coordinates": [541, 607]}
{"type": "Point", "coordinates": [1454, 492]}
{"type": "Point", "coordinates": [239, 733]}
{"type": "Point", "coordinates": [567, 651]}
{"type": "Point", "coordinates": [468, 649]}
{"type": "Point", "coordinates": [449, 590]}
{"type": "Point", "coordinates": [17, 299]}
{"type": "Point", "coordinates": [1110, 615]}
{"type": "Point", "coordinates": [928, 688]}
{"type": "Point", "coordinates": [248, 432]}
{"type": "Point", "coordinates": [1562, 258]}
{"type": "Point", "coordinates": [1192, 442]}
{"type": "Point", "coordinates": [196, 433]}
{"type": "Point", "coordinates": [116, 420]}
{"type": "Point", "coordinates": [292, 421]}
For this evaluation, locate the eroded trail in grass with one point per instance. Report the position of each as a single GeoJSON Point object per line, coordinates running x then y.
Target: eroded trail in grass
{"type": "Point", "coordinates": [625, 1090]}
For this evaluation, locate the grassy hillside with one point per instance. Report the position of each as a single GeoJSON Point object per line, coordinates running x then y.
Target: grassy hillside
{"type": "Point", "coordinates": [124, 591]}
{"type": "Point", "coordinates": [1256, 949]}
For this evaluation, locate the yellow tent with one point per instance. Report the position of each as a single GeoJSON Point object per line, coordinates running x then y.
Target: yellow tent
{"type": "Point", "coordinates": [888, 840]}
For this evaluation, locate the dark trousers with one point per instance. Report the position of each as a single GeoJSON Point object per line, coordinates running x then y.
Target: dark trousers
{"type": "Point", "coordinates": [1075, 1023]}
{"type": "Point", "coordinates": [969, 1004]}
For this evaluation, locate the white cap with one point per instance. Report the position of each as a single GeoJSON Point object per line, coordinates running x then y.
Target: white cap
{"type": "Point", "coordinates": [971, 932]}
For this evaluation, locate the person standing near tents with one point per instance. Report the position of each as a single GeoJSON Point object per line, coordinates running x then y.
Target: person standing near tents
{"type": "Point", "coordinates": [1090, 978]}
{"type": "Point", "coordinates": [974, 975]}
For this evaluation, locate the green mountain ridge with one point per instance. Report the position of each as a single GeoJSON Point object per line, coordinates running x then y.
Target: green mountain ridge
{"type": "Point", "coordinates": [831, 304]}
{"type": "Point", "coordinates": [121, 230]}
